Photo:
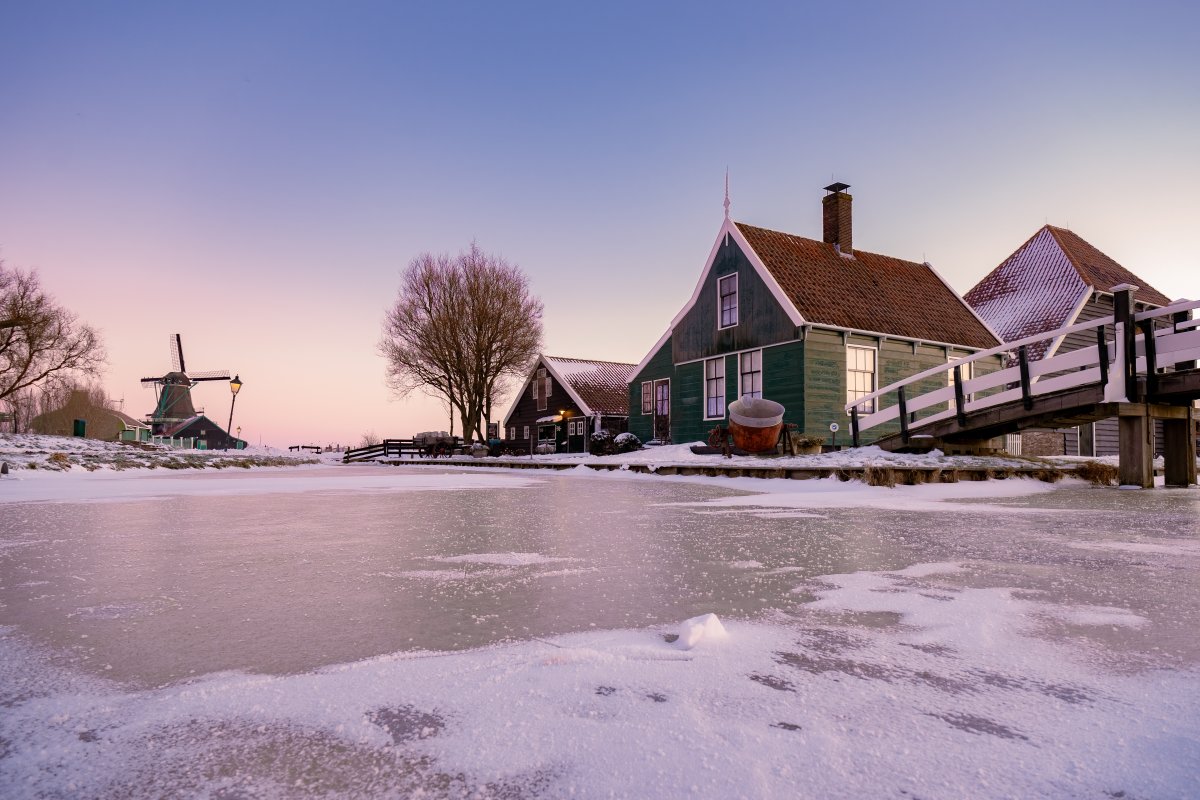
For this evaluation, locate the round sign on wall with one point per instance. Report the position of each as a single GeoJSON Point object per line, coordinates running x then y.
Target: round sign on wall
{"type": "Point", "coordinates": [834, 427]}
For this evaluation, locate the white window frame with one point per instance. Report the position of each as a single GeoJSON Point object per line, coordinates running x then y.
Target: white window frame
{"type": "Point", "coordinates": [742, 373]}
{"type": "Point", "coordinates": [647, 397]}
{"type": "Point", "coordinates": [720, 297]}
{"type": "Point", "coordinates": [526, 433]}
{"type": "Point", "coordinates": [512, 432]}
{"type": "Point", "coordinates": [709, 413]}
{"type": "Point", "coordinates": [851, 394]}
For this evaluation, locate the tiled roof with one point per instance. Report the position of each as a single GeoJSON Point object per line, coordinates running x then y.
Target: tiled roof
{"type": "Point", "coordinates": [867, 292]}
{"type": "Point", "coordinates": [602, 385]}
{"type": "Point", "coordinates": [1038, 288]}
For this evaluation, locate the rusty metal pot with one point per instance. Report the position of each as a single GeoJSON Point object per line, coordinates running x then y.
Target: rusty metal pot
{"type": "Point", "coordinates": [755, 424]}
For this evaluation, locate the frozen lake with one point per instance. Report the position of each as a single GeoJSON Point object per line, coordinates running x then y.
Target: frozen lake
{"type": "Point", "coordinates": [371, 632]}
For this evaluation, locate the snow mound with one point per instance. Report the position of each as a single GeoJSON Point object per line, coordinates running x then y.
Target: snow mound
{"type": "Point", "coordinates": [706, 627]}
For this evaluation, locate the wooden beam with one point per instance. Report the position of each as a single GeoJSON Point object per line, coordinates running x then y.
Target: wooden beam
{"type": "Point", "coordinates": [1136, 467]}
{"type": "Point", "coordinates": [1179, 443]}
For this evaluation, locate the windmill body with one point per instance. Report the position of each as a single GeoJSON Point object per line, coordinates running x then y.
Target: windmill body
{"type": "Point", "coordinates": [173, 392]}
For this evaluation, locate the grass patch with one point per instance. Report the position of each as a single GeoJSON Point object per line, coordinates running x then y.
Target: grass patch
{"type": "Point", "coordinates": [879, 476]}
{"type": "Point", "coordinates": [1097, 473]}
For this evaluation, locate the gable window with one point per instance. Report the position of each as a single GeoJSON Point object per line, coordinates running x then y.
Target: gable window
{"type": "Point", "coordinates": [860, 376]}
{"type": "Point", "coordinates": [647, 397]}
{"type": "Point", "coordinates": [727, 300]}
{"type": "Point", "coordinates": [541, 389]}
{"type": "Point", "coordinates": [714, 388]}
{"type": "Point", "coordinates": [750, 374]}
{"type": "Point", "coordinates": [526, 431]}
{"type": "Point", "coordinates": [512, 432]}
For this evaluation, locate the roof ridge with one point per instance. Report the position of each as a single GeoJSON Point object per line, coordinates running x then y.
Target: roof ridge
{"type": "Point", "coordinates": [1009, 258]}
{"type": "Point", "coordinates": [856, 250]}
{"type": "Point", "coordinates": [1087, 272]}
{"type": "Point", "coordinates": [589, 360]}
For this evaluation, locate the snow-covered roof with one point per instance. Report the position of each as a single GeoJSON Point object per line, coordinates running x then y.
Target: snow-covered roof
{"type": "Point", "coordinates": [1042, 286]}
{"type": "Point", "coordinates": [598, 387]}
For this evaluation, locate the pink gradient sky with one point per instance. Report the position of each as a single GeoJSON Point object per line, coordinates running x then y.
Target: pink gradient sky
{"type": "Point", "coordinates": [255, 177]}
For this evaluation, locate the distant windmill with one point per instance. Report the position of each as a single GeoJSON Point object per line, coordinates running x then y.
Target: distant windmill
{"type": "Point", "coordinates": [173, 391]}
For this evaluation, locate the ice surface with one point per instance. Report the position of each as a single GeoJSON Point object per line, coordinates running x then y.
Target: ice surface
{"type": "Point", "coordinates": [262, 639]}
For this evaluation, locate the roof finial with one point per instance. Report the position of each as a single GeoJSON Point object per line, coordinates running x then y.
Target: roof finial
{"type": "Point", "coordinates": [726, 192]}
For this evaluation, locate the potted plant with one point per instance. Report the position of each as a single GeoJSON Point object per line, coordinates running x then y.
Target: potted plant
{"type": "Point", "coordinates": [805, 445]}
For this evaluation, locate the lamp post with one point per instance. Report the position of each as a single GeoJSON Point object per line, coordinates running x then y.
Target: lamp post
{"type": "Point", "coordinates": [235, 386]}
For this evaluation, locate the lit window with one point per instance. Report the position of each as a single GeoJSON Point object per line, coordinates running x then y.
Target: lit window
{"type": "Point", "coordinates": [714, 388]}
{"type": "Point", "coordinates": [727, 296]}
{"type": "Point", "coordinates": [647, 397]}
{"type": "Point", "coordinates": [860, 376]}
{"type": "Point", "coordinates": [967, 371]}
{"type": "Point", "coordinates": [750, 383]}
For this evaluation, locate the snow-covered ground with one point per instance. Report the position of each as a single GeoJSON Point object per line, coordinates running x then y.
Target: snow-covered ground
{"type": "Point", "coordinates": [33, 451]}
{"type": "Point", "coordinates": [353, 631]}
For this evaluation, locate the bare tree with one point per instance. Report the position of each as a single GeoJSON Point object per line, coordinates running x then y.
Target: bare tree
{"type": "Point", "coordinates": [40, 341]}
{"type": "Point", "coordinates": [461, 326]}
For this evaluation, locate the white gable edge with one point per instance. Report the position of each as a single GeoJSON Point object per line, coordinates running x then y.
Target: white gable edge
{"type": "Point", "coordinates": [727, 228]}
{"type": "Point", "coordinates": [587, 411]}
{"type": "Point", "coordinates": [1071, 320]}
{"type": "Point", "coordinates": [543, 361]}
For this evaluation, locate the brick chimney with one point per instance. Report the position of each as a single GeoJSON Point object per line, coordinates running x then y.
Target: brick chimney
{"type": "Point", "coordinates": [835, 211]}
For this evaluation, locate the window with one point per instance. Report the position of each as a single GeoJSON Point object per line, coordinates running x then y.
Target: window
{"type": "Point", "coordinates": [526, 431]}
{"type": "Point", "coordinates": [662, 399]}
{"type": "Point", "coordinates": [714, 388]}
{"type": "Point", "coordinates": [967, 371]}
{"type": "Point", "coordinates": [647, 397]}
{"type": "Point", "coordinates": [727, 300]}
{"type": "Point", "coordinates": [541, 389]}
{"type": "Point", "coordinates": [750, 374]}
{"type": "Point", "coordinates": [860, 376]}
{"type": "Point", "coordinates": [512, 432]}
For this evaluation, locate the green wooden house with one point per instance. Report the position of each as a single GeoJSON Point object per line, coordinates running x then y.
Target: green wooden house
{"type": "Point", "coordinates": [811, 324]}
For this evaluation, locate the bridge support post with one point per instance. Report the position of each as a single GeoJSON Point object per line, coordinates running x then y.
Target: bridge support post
{"type": "Point", "coordinates": [1179, 442]}
{"type": "Point", "coordinates": [1136, 466]}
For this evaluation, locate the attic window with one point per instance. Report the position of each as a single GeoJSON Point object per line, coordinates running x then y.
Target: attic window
{"type": "Point", "coordinates": [541, 389]}
{"type": "Point", "coordinates": [727, 300]}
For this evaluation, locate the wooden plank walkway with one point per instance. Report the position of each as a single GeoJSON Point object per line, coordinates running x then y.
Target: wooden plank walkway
{"type": "Point", "coordinates": [904, 475]}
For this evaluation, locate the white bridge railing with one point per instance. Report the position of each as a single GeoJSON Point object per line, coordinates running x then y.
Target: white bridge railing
{"type": "Point", "coordinates": [1102, 364]}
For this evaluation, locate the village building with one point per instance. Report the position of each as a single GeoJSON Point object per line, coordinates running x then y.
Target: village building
{"type": "Point", "coordinates": [565, 400]}
{"type": "Point", "coordinates": [203, 433]}
{"type": "Point", "coordinates": [812, 324]}
{"type": "Point", "coordinates": [1054, 280]}
{"type": "Point", "coordinates": [80, 416]}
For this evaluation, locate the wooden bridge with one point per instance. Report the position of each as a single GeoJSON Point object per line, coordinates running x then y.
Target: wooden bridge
{"type": "Point", "coordinates": [1145, 371]}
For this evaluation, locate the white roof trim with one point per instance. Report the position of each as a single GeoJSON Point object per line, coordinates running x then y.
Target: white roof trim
{"type": "Point", "coordinates": [653, 350]}
{"type": "Point", "coordinates": [570, 389]}
{"type": "Point", "coordinates": [1071, 320]}
{"type": "Point", "coordinates": [543, 362]}
{"type": "Point", "coordinates": [730, 228]}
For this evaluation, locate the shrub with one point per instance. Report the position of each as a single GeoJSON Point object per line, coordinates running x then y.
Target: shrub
{"type": "Point", "coordinates": [627, 443]}
{"type": "Point", "coordinates": [601, 444]}
{"type": "Point", "coordinates": [1097, 473]}
{"type": "Point", "coordinates": [58, 461]}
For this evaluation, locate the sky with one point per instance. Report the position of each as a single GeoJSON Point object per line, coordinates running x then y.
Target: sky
{"type": "Point", "coordinates": [255, 176]}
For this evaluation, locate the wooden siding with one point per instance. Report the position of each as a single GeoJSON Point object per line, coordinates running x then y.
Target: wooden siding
{"type": "Point", "coordinates": [761, 321]}
{"type": "Point", "coordinates": [657, 368]}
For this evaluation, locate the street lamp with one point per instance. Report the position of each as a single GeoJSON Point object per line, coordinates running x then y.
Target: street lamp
{"type": "Point", "coordinates": [235, 386]}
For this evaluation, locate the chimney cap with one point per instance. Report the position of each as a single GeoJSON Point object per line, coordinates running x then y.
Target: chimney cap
{"type": "Point", "coordinates": [837, 187]}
